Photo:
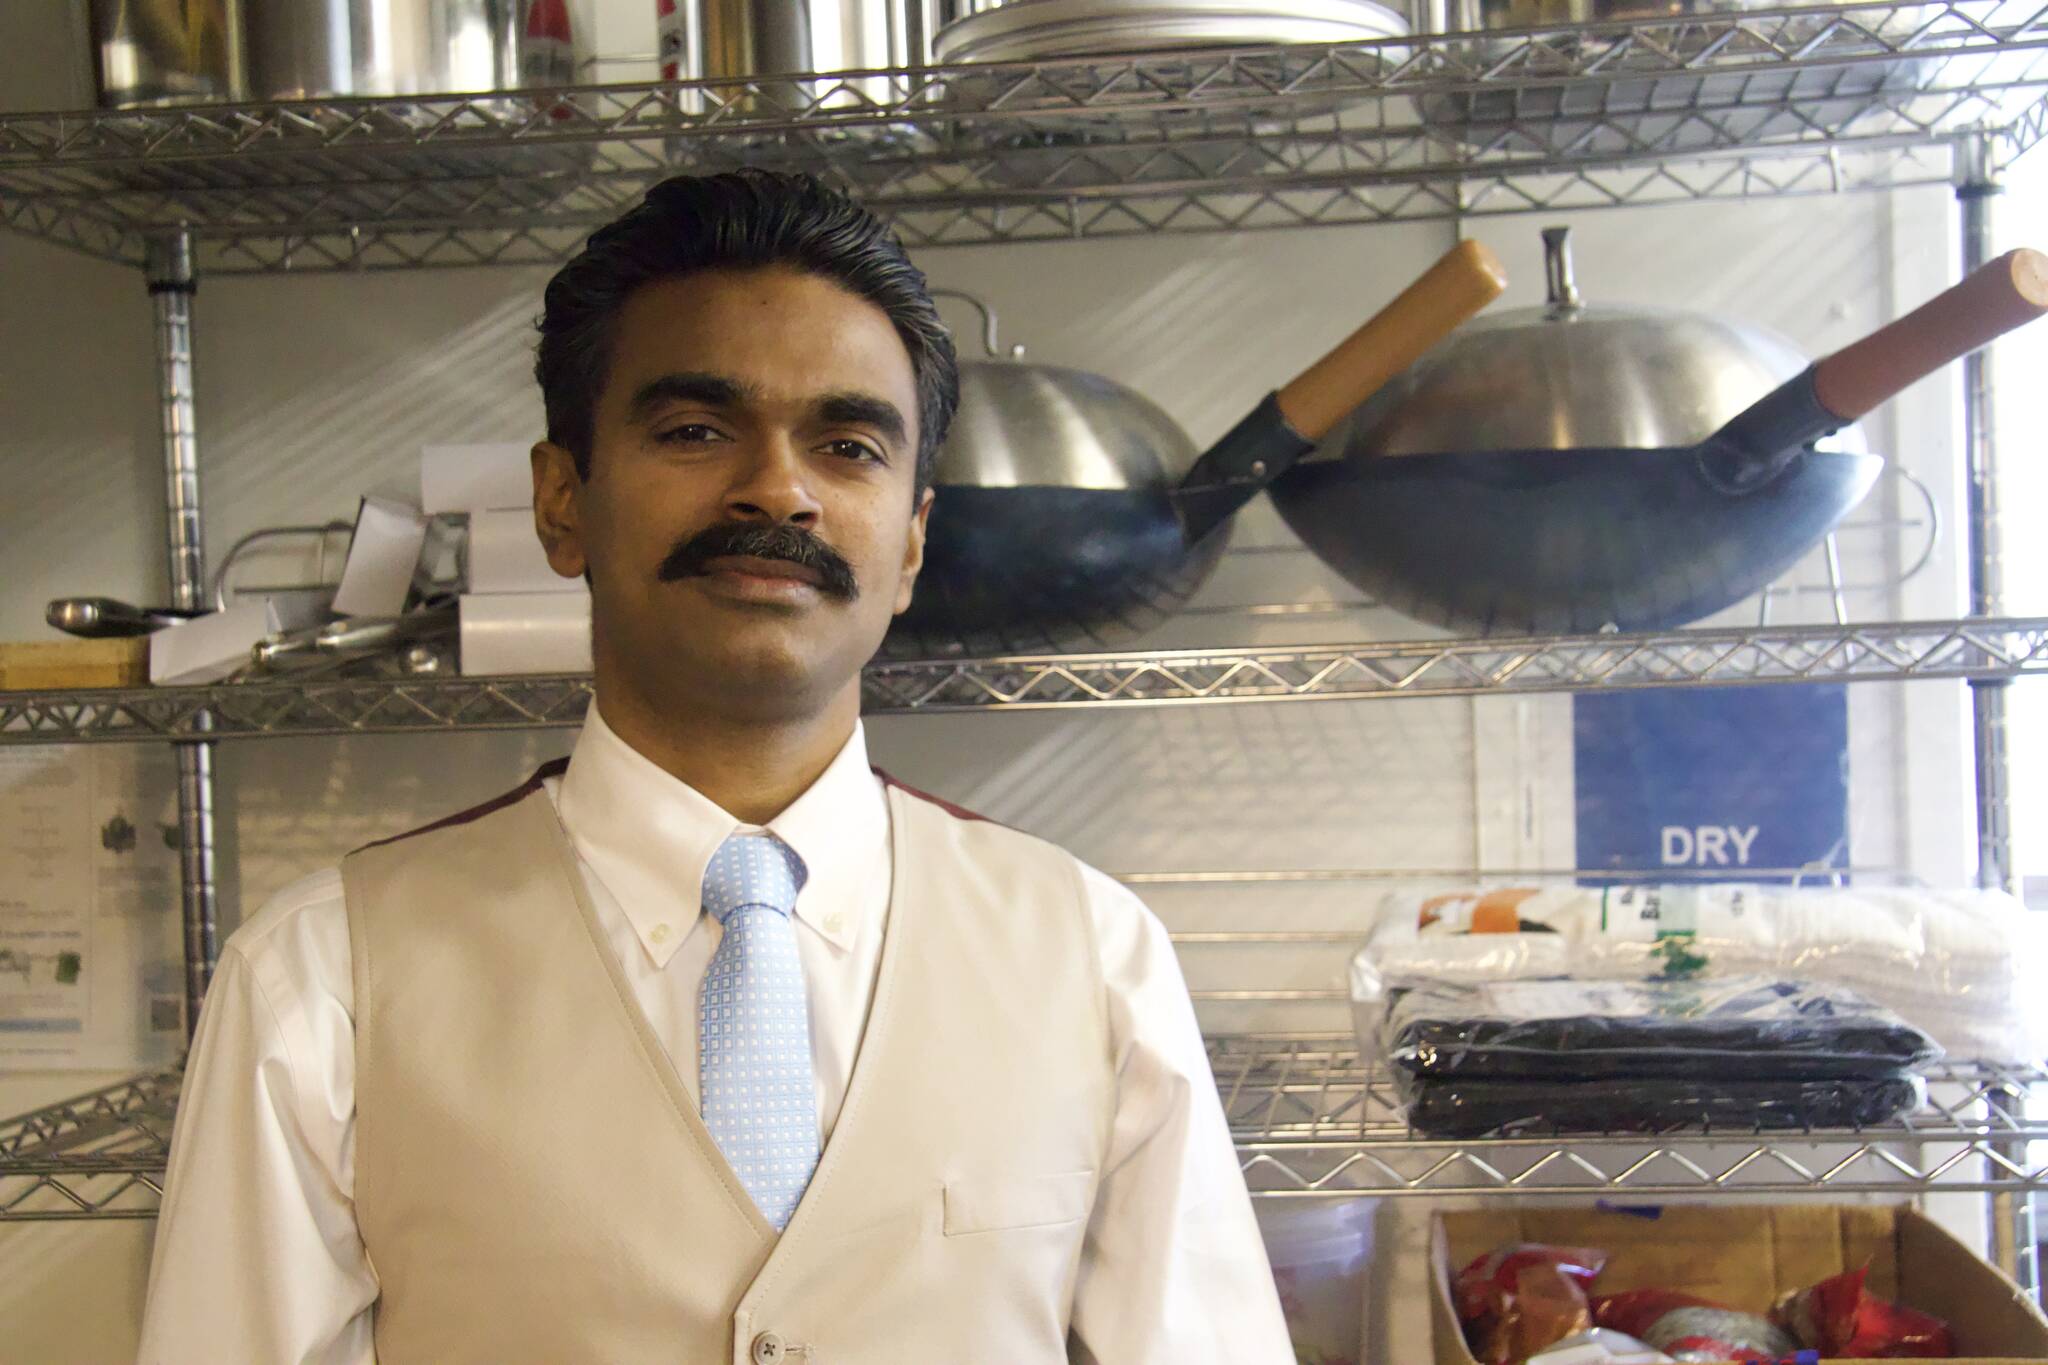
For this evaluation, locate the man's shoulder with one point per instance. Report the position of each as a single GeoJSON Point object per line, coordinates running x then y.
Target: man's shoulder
{"type": "Point", "coordinates": [297, 944]}
{"type": "Point", "coordinates": [311, 895]}
{"type": "Point", "coordinates": [1096, 886]}
{"type": "Point", "coordinates": [478, 812]}
{"type": "Point", "coordinates": [981, 830]}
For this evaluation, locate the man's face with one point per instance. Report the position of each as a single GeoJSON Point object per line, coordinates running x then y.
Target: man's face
{"type": "Point", "coordinates": [749, 524]}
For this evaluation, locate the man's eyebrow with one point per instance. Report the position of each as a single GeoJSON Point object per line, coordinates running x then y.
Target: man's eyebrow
{"type": "Point", "coordinates": [864, 409]}
{"type": "Point", "coordinates": [687, 386]}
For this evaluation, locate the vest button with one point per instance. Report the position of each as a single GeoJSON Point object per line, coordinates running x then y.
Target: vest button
{"type": "Point", "coordinates": [769, 1350]}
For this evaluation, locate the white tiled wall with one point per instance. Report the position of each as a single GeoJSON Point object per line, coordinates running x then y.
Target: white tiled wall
{"type": "Point", "coordinates": [313, 390]}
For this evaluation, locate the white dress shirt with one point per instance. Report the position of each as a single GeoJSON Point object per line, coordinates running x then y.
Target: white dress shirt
{"type": "Point", "coordinates": [258, 1258]}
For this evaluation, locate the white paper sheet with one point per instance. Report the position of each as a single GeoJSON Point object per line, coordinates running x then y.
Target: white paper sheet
{"type": "Point", "coordinates": [91, 965]}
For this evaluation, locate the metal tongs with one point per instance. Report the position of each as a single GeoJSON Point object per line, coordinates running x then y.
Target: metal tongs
{"type": "Point", "coordinates": [320, 648]}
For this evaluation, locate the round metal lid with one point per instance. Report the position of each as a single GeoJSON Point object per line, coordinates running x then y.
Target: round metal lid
{"type": "Point", "coordinates": [1040, 30]}
{"type": "Point", "coordinates": [1037, 426]}
{"type": "Point", "coordinates": [1571, 377]}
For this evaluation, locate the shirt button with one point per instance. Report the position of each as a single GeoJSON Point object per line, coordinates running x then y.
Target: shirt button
{"type": "Point", "coordinates": [833, 922]}
{"type": "Point", "coordinates": [659, 934]}
{"type": "Point", "coordinates": [768, 1349]}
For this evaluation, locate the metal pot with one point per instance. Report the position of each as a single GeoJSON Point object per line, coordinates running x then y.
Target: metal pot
{"type": "Point", "coordinates": [1567, 469]}
{"type": "Point", "coordinates": [1073, 513]}
{"type": "Point", "coordinates": [167, 51]}
{"type": "Point", "coordinates": [314, 49]}
{"type": "Point", "coordinates": [1467, 16]}
{"type": "Point", "coordinates": [741, 39]}
{"type": "Point", "coordinates": [1617, 114]}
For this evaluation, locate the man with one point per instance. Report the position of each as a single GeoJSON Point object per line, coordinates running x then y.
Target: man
{"type": "Point", "coordinates": [714, 1045]}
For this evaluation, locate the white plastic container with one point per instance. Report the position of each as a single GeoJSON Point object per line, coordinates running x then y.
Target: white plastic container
{"type": "Point", "coordinates": [1320, 1250]}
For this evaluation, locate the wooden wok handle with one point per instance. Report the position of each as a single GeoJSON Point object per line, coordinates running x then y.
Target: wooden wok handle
{"type": "Point", "coordinates": [1465, 280]}
{"type": "Point", "coordinates": [1997, 297]}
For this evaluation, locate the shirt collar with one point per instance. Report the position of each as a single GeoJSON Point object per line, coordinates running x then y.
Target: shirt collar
{"type": "Point", "coordinates": [648, 836]}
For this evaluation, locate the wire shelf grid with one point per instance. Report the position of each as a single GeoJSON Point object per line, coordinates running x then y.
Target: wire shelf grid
{"type": "Point", "coordinates": [1310, 1118]}
{"type": "Point", "coordinates": [1970, 649]}
{"type": "Point", "coordinates": [1794, 100]}
{"type": "Point", "coordinates": [1313, 1117]}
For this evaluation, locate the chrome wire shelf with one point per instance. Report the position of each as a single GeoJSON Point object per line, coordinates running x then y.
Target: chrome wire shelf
{"type": "Point", "coordinates": [1802, 99]}
{"type": "Point", "coordinates": [1311, 1118]}
{"type": "Point", "coordinates": [2002, 648]}
{"type": "Point", "coordinates": [101, 1155]}
{"type": "Point", "coordinates": [1308, 1117]}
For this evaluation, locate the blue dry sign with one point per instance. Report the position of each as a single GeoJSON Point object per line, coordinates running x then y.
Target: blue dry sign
{"type": "Point", "coordinates": [1715, 781]}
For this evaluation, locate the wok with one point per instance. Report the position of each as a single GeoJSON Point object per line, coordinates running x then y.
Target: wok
{"type": "Point", "coordinates": [1072, 513]}
{"type": "Point", "coordinates": [1569, 469]}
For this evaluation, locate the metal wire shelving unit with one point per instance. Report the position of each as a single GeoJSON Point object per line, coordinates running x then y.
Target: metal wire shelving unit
{"type": "Point", "coordinates": [100, 1155]}
{"type": "Point", "coordinates": [1996, 649]}
{"type": "Point", "coordinates": [1796, 100]}
{"type": "Point", "coordinates": [1311, 1119]}
{"type": "Point", "coordinates": [1767, 102]}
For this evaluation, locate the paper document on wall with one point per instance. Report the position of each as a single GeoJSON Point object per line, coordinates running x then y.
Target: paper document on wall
{"type": "Point", "coordinates": [91, 970]}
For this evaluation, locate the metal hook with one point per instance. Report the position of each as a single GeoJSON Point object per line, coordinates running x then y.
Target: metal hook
{"type": "Point", "coordinates": [988, 324]}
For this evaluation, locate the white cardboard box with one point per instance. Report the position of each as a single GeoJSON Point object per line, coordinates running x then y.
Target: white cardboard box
{"type": "Point", "coordinates": [505, 555]}
{"type": "Point", "coordinates": [382, 557]}
{"type": "Point", "coordinates": [475, 478]}
{"type": "Point", "coordinates": [207, 648]}
{"type": "Point", "coordinates": [525, 632]}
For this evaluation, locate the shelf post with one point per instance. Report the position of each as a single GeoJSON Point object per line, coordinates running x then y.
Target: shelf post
{"type": "Point", "coordinates": [1977, 186]}
{"type": "Point", "coordinates": [172, 283]}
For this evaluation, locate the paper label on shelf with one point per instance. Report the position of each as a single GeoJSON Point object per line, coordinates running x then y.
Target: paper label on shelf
{"type": "Point", "coordinates": [1726, 784]}
{"type": "Point", "coordinates": [1647, 913]}
{"type": "Point", "coordinates": [90, 941]}
{"type": "Point", "coordinates": [1672, 918]}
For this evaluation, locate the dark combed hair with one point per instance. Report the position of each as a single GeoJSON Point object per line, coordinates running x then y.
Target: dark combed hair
{"type": "Point", "coordinates": [737, 220]}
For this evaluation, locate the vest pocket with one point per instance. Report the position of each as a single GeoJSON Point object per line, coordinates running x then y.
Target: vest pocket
{"type": "Point", "coordinates": [993, 1203]}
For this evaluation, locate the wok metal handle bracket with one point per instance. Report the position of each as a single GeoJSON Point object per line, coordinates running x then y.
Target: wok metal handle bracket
{"type": "Point", "coordinates": [1766, 438]}
{"type": "Point", "coordinates": [1232, 472]}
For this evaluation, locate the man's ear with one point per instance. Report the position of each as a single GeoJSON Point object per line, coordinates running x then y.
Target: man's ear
{"type": "Point", "coordinates": [556, 512]}
{"type": "Point", "coordinates": [913, 551]}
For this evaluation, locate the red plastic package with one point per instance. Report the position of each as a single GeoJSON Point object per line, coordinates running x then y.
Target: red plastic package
{"type": "Point", "coordinates": [1840, 1317]}
{"type": "Point", "coordinates": [1551, 1305]}
{"type": "Point", "coordinates": [1489, 1296]}
{"type": "Point", "coordinates": [1689, 1328]}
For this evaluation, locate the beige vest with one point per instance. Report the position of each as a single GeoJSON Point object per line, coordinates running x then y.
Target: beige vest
{"type": "Point", "coordinates": [534, 1185]}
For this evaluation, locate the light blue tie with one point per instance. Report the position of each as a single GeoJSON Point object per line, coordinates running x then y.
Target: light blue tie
{"type": "Point", "coordinates": [754, 1031]}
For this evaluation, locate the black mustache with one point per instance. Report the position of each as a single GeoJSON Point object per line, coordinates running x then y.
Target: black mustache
{"type": "Point", "coordinates": [780, 541]}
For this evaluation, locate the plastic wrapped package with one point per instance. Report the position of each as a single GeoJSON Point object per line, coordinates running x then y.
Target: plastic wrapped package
{"type": "Point", "coordinates": [1689, 1329]}
{"type": "Point", "coordinates": [1601, 1346]}
{"type": "Point", "coordinates": [1958, 965]}
{"type": "Point", "coordinates": [1840, 1317]}
{"type": "Point", "coordinates": [1458, 1107]}
{"type": "Point", "coordinates": [1732, 1029]}
{"type": "Point", "coordinates": [1519, 1299]}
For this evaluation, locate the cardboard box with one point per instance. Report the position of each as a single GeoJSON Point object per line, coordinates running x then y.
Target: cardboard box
{"type": "Point", "coordinates": [475, 478]}
{"type": "Point", "coordinates": [44, 665]}
{"type": "Point", "coordinates": [1747, 1255]}
{"type": "Point", "coordinates": [505, 555]}
{"type": "Point", "coordinates": [525, 632]}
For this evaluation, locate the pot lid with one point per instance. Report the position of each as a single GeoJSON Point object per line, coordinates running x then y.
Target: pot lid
{"type": "Point", "coordinates": [1025, 426]}
{"type": "Point", "coordinates": [1569, 376]}
{"type": "Point", "coordinates": [1039, 30]}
